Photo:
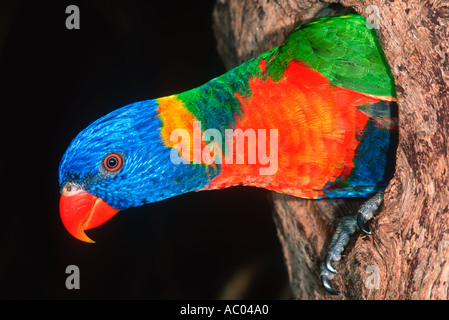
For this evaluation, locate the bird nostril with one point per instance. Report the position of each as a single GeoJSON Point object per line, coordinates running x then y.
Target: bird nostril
{"type": "Point", "coordinates": [69, 187]}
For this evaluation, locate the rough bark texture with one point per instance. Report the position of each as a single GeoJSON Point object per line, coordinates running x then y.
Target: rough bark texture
{"type": "Point", "coordinates": [409, 248]}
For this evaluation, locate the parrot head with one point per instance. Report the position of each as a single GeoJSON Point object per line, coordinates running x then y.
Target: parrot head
{"type": "Point", "coordinates": [117, 162]}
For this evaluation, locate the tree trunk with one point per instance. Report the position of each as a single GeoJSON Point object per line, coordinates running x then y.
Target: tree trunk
{"type": "Point", "coordinates": [406, 257]}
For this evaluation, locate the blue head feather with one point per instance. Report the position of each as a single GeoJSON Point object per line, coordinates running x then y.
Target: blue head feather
{"type": "Point", "coordinates": [147, 175]}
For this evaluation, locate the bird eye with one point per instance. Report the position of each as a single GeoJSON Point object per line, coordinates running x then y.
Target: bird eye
{"type": "Point", "coordinates": [112, 162]}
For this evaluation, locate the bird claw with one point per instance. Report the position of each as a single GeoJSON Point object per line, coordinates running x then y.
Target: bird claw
{"type": "Point", "coordinates": [367, 211]}
{"type": "Point", "coordinates": [345, 228]}
{"type": "Point", "coordinates": [327, 274]}
{"type": "Point", "coordinates": [362, 223]}
{"type": "Point", "coordinates": [329, 265]}
{"type": "Point", "coordinates": [325, 282]}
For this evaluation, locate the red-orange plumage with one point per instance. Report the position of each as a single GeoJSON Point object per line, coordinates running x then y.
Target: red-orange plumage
{"type": "Point", "coordinates": [317, 125]}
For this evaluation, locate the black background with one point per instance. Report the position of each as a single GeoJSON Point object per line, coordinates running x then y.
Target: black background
{"type": "Point", "coordinates": [55, 81]}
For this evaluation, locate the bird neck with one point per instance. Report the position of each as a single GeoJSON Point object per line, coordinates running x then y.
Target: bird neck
{"type": "Point", "coordinates": [204, 124]}
{"type": "Point", "coordinates": [212, 108]}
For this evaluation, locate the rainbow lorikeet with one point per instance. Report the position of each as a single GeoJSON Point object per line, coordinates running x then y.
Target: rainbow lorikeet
{"type": "Point", "coordinates": [310, 118]}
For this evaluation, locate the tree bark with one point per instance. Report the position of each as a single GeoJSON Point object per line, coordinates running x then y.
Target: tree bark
{"type": "Point", "coordinates": [408, 252]}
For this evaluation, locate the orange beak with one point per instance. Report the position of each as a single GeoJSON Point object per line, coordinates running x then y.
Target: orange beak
{"type": "Point", "coordinates": [82, 211]}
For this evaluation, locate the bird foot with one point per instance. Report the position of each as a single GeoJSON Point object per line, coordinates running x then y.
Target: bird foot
{"type": "Point", "coordinates": [346, 227]}
{"type": "Point", "coordinates": [367, 211]}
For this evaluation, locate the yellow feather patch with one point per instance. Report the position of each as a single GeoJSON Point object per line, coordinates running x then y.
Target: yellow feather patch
{"type": "Point", "coordinates": [178, 128]}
